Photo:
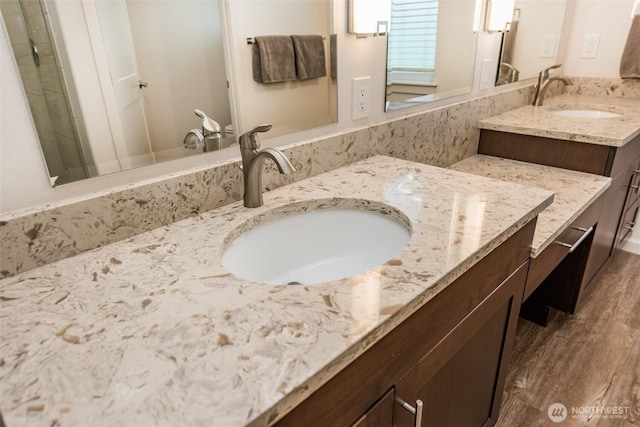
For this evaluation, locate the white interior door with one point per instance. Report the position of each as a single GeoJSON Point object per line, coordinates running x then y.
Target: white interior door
{"type": "Point", "coordinates": [129, 125]}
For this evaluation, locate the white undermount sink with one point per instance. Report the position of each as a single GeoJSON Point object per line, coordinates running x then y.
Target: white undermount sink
{"type": "Point", "coordinates": [586, 114]}
{"type": "Point", "coordinates": [315, 247]}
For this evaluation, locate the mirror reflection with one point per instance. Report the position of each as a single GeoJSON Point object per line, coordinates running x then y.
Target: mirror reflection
{"type": "Point", "coordinates": [118, 84]}
{"type": "Point", "coordinates": [430, 51]}
{"type": "Point", "coordinates": [293, 104]}
{"type": "Point", "coordinates": [113, 85]}
{"type": "Point", "coordinates": [531, 43]}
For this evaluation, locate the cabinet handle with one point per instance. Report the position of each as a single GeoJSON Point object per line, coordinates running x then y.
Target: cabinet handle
{"type": "Point", "coordinates": [630, 225]}
{"type": "Point", "coordinates": [417, 411]}
{"type": "Point", "coordinates": [573, 247]}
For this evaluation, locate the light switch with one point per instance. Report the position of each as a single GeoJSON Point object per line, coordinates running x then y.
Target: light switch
{"type": "Point", "coordinates": [590, 45]}
{"type": "Point", "coordinates": [549, 43]}
{"type": "Point", "coordinates": [485, 74]}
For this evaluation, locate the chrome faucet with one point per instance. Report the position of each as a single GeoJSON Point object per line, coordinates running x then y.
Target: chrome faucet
{"type": "Point", "coordinates": [252, 160]}
{"type": "Point", "coordinates": [199, 139]}
{"type": "Point", "coordinates": [211, 131]}
{"type": "Point", "coordinates": [544, 81]}
{"type": "Point", "coordinates": [512, 73]}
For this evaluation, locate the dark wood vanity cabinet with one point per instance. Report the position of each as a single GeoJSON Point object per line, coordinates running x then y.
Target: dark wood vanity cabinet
{"type": "Point", "coordinates": [555, 275]}
{"type": "Point", "coordinates": [380, 414]}
{"type": "Point", "coordinates": [620, 201]}
{"type": "Point", "coordinates": [452, 354]}
{"type": "Point", "coordinates": [461, 379]}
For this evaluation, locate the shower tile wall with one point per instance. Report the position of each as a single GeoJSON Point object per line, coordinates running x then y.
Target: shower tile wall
{"type": "Point", "coordinates": [43, 85]}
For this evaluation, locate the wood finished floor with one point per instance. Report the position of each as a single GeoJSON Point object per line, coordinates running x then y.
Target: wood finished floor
{"type": "Point", "coordinates": [591, 359]}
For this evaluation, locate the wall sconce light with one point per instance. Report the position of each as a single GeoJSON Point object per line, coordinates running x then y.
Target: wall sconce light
{"type": "Point", "coordinates": [499, 13]}
{"type": "Point", "coordinates": [369, 17]}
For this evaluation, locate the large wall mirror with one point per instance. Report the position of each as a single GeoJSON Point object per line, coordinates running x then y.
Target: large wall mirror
{"type": "Point", "coordinates": [532, 40]}
{"type": "Point", "coordinates": [431, 51]}
{"type": "Point", "coordinates": [293, 105]}
{"type": "Point", "coordinates": [114, 84]}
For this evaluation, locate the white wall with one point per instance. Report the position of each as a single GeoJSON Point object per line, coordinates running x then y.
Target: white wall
{"type": "Point", "coordinates": [609, 18]}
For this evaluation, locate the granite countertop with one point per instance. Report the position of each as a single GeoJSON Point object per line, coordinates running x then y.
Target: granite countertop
{"type": "Point", "coordinates": [539, 121]}
{"type": "Point", "coordinates": [574, 191]}
{"type": "Point", "coordinates": [153, 331]}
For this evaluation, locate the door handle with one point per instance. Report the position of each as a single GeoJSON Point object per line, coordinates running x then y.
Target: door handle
{"type": "Point", "coordinates": [142, 84]}
{"type": "Point", "coordinates": [34, 52]}
{"type": "Point", "coordinates": [573, 247]}
{"type": "Point", "coordinates": [417, 411]}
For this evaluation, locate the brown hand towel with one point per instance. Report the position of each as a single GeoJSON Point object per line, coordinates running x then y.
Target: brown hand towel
{"type": "Point", "coordinates": [630, 61]}
{"type": "Point", "coordinates": [310, 60]}
{"type": "Point", "coordinates": [273, 59]}
{"type": "Point", "coordinates": [333, 55]}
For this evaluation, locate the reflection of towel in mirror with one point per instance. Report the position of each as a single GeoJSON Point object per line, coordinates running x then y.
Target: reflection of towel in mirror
{"type": "Point", "coordinates": [310, 58]}
{"type": "Point", "coordinates": [630, 61]}
{"type": "Point", "coordinates": [333, 55]}
{"type": "Point", "coordinates": [273, 59]}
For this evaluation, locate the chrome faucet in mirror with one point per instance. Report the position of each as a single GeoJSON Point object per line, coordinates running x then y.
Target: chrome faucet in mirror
{"type": "Point", "coordinates": [209, 138]}
{"type": "Point", "coordinates": [533, 39]}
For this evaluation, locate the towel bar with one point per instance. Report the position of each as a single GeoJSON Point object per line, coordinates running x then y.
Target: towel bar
{"type": "Point", "coordinates": [251, 40]}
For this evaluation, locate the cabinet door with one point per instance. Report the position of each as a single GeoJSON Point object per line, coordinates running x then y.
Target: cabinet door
{"type": "Point", "coordinates": [605, 233]}
{"type": "Point", "coordinates": [460, 381]}
{"type": "Point", "coordinates": [380, 414]}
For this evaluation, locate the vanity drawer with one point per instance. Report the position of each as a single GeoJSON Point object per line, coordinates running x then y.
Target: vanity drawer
{"type": "Point", "coordinates": [567, 242]}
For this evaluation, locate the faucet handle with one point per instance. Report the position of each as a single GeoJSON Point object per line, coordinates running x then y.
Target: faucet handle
{"type": "Point", "coordinates": [248, 139]}
{"type": "Point", "coordinates": [208, 123]}
{"type": "Point", "coordinates": [545, 72]}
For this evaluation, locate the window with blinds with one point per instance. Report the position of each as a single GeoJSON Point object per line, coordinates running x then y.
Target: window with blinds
{"type": "Point", "coordinates": [412, 39]}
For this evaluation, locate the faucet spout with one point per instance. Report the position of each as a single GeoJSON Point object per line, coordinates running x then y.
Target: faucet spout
{"type": "Point", "coordinates": [543, 84]}
{"type": "Point", "coordinates": [252, 164]}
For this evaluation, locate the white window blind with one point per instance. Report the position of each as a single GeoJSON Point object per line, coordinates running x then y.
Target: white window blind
{"type": "Point", "coordinates": [412, 39]}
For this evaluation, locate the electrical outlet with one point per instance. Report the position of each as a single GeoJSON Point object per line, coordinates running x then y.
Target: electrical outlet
{"type": "Point", "coordinates": [549, 43]}
{"type": "Point", "coordinates": [360, 97]}
{"type": "Point", "coordinates": [590, 45]}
